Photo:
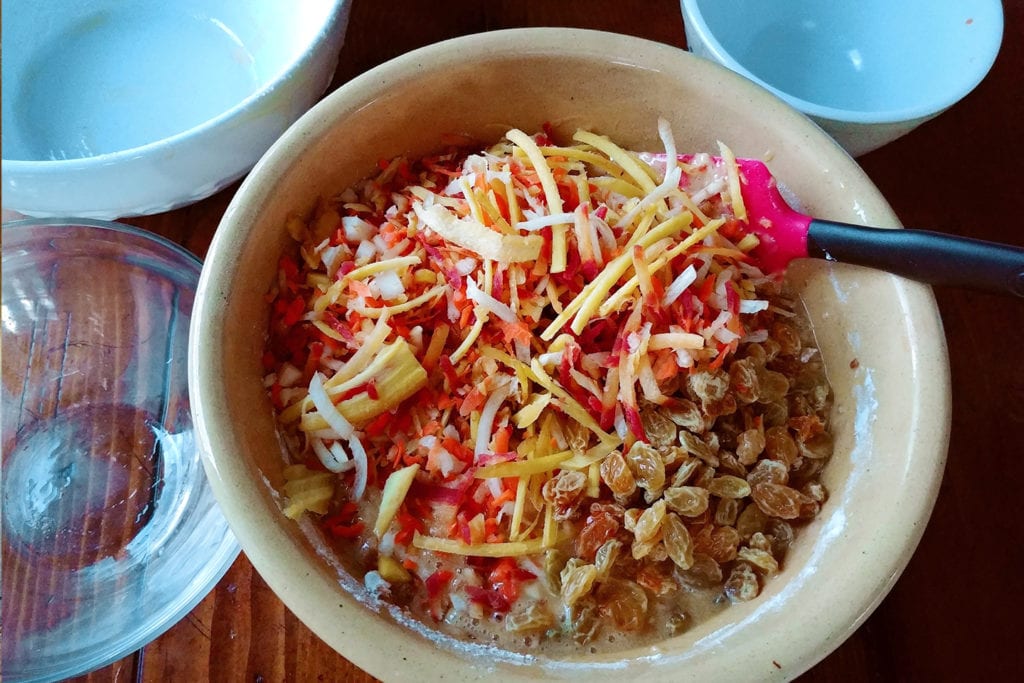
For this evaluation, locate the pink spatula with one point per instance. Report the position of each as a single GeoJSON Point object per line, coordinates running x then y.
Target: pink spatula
{"type": "Point", "coordinates": [932, 257]}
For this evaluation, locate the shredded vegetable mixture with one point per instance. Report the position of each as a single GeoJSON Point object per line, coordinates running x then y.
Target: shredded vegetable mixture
{"type": "Point", "coordinates": [544, 389]}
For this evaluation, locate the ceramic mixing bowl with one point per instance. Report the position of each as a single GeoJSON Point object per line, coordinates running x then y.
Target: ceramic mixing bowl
{"type": "Point", "coordinates": [881, 338]}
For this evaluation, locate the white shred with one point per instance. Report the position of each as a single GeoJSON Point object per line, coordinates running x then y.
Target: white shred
{"type": "Point", "coordinates": [679, 285]}
{"type": "Point", "coordinates": [326, 407]}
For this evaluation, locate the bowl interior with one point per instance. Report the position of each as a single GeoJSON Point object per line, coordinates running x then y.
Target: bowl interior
{"type": "Point", "coordinates": [91, 78]}
{"type": "Point", "coordinates": [903, 60]}
{"type": "Point", "coordinates": [891, 411]}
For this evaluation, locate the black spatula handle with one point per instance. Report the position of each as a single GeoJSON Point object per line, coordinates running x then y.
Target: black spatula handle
{"type": "Point", "coordinates": [932, 257]}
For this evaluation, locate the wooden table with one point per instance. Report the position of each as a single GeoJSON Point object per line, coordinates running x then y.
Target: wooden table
{"type": "Point", "coordinates": [955, 613]}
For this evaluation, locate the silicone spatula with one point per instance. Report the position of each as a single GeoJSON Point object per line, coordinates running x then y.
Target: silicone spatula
{"type": "Point", "coordinates": [932, 257]}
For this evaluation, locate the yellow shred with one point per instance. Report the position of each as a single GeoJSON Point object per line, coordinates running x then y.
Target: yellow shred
{"type": "Point", "coordinates": [456, 547]}
{"type": "Point", "coordinates": [568, 403]}
{"type": "Point", "coordinates": [471, 199]}
{"type": "Point", "coordinates": [399, 263]}
{"type": "Point", "coordinates": [329, 297]}
{"type": "Point", "coordinates": [522, 468]}
{"type": "Point", "coordinates": [675, 340]}
{"type": "Point", "coordinates": [550, 533]}
{"type": "Point", "coordinates": [606, 279]}
{"type": "Point", "coordinates": [327, 330]}
{"type": "Point", "coordinates": [620, 156]}
{"type": "Point", "coordinates": [594, 454]}
{"type": "Point", "coordinates": [307, 490]}
{"type": "Point", "coordinates": [619, 185]}
{"type": "Point", "coordinates": [739, 209]}
{"type": "Point", "coordinates": [518, 509]}
{"type": "Point", "coordinates": [529, 413]}
{"type": "Point", "coordinates": [471, 337]}
{"type": "Point", "coordinates": [587, 157]}
{"type": "Point", "coordinates": [749, 242]}
{"type": "Point", "coordinates": [395, 489]}
{"type": "Point", "coordinates": [423, 298]}
{"type": "Point", "coordinates": [550, 187]}
{"type": "Point", "coordinates": [473, 235]}
{"type": "Point", "coordinates": [594, 481]}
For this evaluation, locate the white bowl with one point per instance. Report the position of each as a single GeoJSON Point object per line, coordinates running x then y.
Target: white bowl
{"type": "Point", "coordinates": [867, 72]}
{"type": "Point", "coordinates": [115, 108]}
{"type": "Point", "coordinates": [881, 337]}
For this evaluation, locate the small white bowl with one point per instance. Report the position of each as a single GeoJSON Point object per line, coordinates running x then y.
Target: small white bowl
{"type": "Point", "coordinates": [867, 72]}
{"type": "Point", "coordinates": [115, 108]}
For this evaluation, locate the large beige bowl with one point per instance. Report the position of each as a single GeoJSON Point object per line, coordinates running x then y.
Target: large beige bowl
{"type": "Point", "coordinates": [881, 337]}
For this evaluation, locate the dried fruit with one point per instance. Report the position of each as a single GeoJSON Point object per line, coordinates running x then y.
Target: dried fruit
{"type": "Point", "coordinates": [774, 386]}
{"type": "Point", "coordinates": [817, 447]}
{"type": "Point", "coordinates": [685, 471]}
{"type": "Point", "coordinates": [815, 490]}
{"type": "Point", "coordinates": [676, 624]}
{"type": "Point", "coordinates": [728, 486]}
{"type": "Point", "coordinates": [660, 430]}
{"type": "Point", "coordinates": [709, 385]}
{"type": "Point", "coordinates": [776, 500]}
{"type": "Point", "coordinates": [616, 475]}
{"type": "Point", "coordinates": [606, 557]}
{"type": "Point", "coordinates": [577, 581]}
{"type": "Point", "coordinates": [749, 445]}
{"type": "Point", "coordinates": [696, 446]}
{"type": "Point", "coordinates": [554, 562]}
{"type": "Point", "coordinates": [727, 511]}
{"type": "Point", "coordinates": [688, 501]}
{"type": "Point", "coordinates": [584, 621]}
{"type": "Point", "coordinates": [768, 472]}
{"type": "Point", "coordinates": [676, 539]}
{"type": "Point", "coordinates": [718, 543]}
{"type": "Point", "coordinates": [743, 380]}
{"type": "Point", "coordinates": [657, 578]}
{"type": "Point", "coordinates": [624, 602]}
{"type": "Point", "coordinates": [563, 491]}
{"type": "Point", "coordinates": [534, 616]}
{"type": "Point", "coordinates": [649, 522]}
{"type": "Point", "coordinates": [781, 535]}
{"type": "Point", "coordinates": [787, 336]}
{"type": "Point", "coordinates": [760, 559]}
{"type": "Point", "coordinates": [686, 414]}
{"type": "Point", "coordinates": [598, 528]}
{"type": "Point", "coordinates": [751, 521]}
{"type": "Point", "coordinates": [648, 469]}
{"type": "Point", "coordinates": [742, 583]}
{"type": "Point", "coordinates": [703, 573]}
{"type": "Point", "coordinates": [779, 445]}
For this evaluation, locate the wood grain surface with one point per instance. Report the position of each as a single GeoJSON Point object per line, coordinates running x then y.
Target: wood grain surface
{"type": "Point", "coordinates": [955, 613]}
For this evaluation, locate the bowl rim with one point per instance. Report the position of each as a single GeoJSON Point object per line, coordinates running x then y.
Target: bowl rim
{"type": "Point", "coordinates": [334, 14]}
{"type": "Point", "coordinates": [694, 19]}
{"type": "Point", "coordinates": [239, 499]}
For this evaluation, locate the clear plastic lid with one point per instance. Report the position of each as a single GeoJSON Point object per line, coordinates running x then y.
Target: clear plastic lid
{"type": "Point", "coordinates": [111, 533]}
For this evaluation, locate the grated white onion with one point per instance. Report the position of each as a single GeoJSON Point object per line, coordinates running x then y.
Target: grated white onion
{"type": "Point", "coordinates": [486, 424]}
{"type": "Point", "coordinates": [326, 407]}
{"type": "Point", "coordinates": [328, 457]}
{"type": "Point", "coordinates": [356, 229]}
{"type": "Point", "coordinates": [388, 284]}
{"type": "Point", "coordinates": [753, 305]}
{"type": "Point", "coordinates": [488, 302]}
{"type": "Point", "coordinates": [679, 285]}
{"type": "Point", "coordinates": [465, 266]}
{"type": "Point", "coordinates": [532, 224]}
{"type": "Point", "coordinates": [365, 251]}
{"type": "Point", "coordinates": [362, 467]}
